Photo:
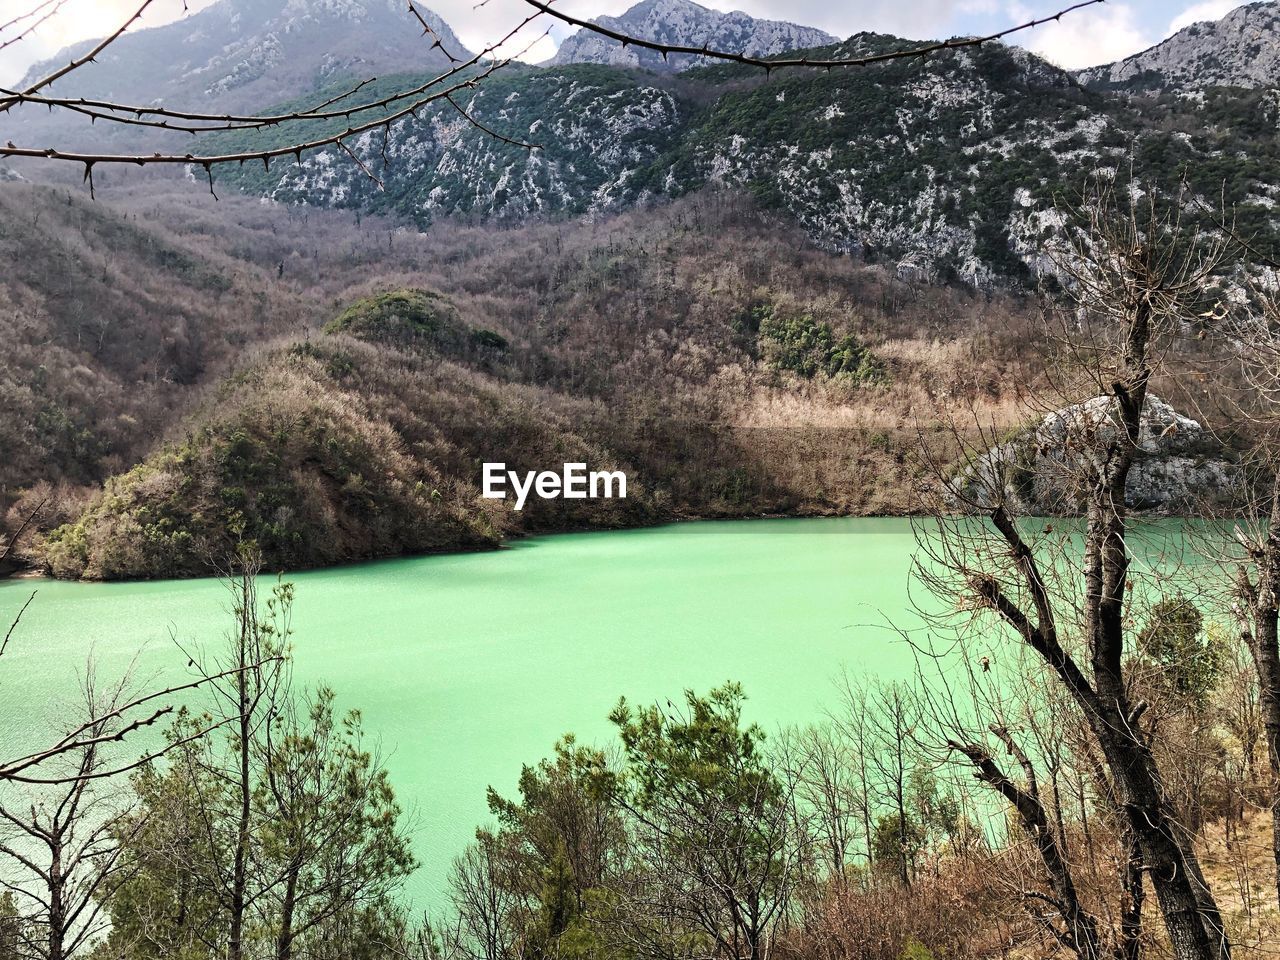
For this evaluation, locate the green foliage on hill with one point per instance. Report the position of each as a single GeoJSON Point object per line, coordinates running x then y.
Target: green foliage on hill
{"type": "Point", "coordinates": [397, 315]}
{"type": "Point", "coordinates": [359, 429]}
{"type": "Point", "coordinates": [809, 347]}
{"type": "Point", "coordinates": [306, 478]}
{"type": "Point", "coordinates": [418, 318]}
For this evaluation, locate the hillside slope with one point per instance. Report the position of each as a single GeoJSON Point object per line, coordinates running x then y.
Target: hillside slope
{"type": "Point", "coordinates": [952, 168]}
{"type": "Point", "coordinates": [108, 323]}
{"type": "Point", "coordinates": [703, 347]}
{"type": "Point", "coordinates": [1240, 50]}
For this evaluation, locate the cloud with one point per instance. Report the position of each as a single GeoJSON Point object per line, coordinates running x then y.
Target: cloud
{"type": "Point", "coordinates": [1099, 35]}
{"type": "Point", "coordinates": [1204, 10]}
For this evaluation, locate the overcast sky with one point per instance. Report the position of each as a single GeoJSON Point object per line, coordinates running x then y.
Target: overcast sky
{"type": "Point", "coordinates": [1097, 34]}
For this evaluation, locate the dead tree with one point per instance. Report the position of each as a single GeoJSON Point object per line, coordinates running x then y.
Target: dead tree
{"type": "Point", "coordinates": [1248, 333]}
{"type": "Point", "coordinates": [1132, 277]}
{"type": "Point", "coordinates": [62, 845]}
{"type": "Point", "coordinates": [247, 697]}
{"type": "Point", "coordinates": [1258, 613]}
{"type": "Point", "coordinates": [9, 560]}
{"type": "Point", "coordinates": [116, 722]}
{"type": "Point", "coordinates": [1255, 340]}
{"type": "Point", "coordinates": [1080, 933]}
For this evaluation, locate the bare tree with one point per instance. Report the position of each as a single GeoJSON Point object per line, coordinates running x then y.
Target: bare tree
{"type": "Point", "coordinates": [118, 720]}
{"type": "Point", "coordinates": [8, 557]}
{"type": "Point", "coordinates": [485, 905]}
{"type": "Point", "coordinates": [821, 768]}
{"type": "Point", "coordinates": [327, 823]}
{"type": "Point", "coordinates": [1132, 278]}
{"type": "Point", "coordinates": [61, 842]}
{"type": "Point", "coordinates": [891, 712]}
{"type": "Point", "coordinates": [1254, 342]}
{"type": "Point", "coordinates": [246, 697]}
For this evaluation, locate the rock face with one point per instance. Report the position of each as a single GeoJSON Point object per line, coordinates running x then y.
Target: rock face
{"type": "Point", "coordinates": [1178, 463]}
{"type": "Point", "coordinates": [243, 54]}
{"type": "Point", "coordinates": [948, 168]}
{"type": "Point", "coordinates": [687, 24]}
{"type": "Point", "coordinates": [1241, 50]}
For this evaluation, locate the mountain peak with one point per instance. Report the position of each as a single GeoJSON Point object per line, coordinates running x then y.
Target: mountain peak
{"type": "Point", "coordinates": [238, 53]}
{"type": "Point", "coordinates": [1240, 50]}
{"type": "Point", "coordinates": [688, 24]}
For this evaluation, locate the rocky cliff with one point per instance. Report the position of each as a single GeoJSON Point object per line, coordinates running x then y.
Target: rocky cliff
{"type": "Point", "coordinates": [687, 24]}
{"type": "Point", "coordinates": [1040, 471]}
{"type": "Point", "coordinates": [1240, 50]}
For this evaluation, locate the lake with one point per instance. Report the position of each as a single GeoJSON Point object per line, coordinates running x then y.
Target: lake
{"type": "Point", "coordinates": [467, 666]}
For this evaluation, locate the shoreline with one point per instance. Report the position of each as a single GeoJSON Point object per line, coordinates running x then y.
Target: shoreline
{"type": "Point", "coordinates": [31, 575]}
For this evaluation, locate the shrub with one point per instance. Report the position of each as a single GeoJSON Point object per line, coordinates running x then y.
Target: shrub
{"type": "Point", "coordinates": [400, 316]}
{"type": "Point", "coordinates": [808, 347]}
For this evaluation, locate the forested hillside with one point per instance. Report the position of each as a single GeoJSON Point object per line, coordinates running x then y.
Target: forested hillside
{"type": "Point", "coordinates": [748, 289]}
{"type": "Point", "coordinates": [345, 388]}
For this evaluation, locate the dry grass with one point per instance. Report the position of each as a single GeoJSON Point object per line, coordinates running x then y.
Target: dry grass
{"type": "Point", "coordinates": [1241, 869]}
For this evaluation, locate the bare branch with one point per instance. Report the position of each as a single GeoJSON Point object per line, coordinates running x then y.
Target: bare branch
{"type": "Point", "coordinates": [956, 43]}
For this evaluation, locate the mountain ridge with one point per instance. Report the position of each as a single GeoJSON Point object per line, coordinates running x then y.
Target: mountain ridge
{"type": "Point", "coordinates": [1242, 49]}
{"type": "Point", "coordinates": [954, 175]}
{"type": "Point", "coordinates": [236, 56]}
{"type": "Point", "coordinates": [949, 167]}
{"type": "Point", "coordinates": [688, 24]}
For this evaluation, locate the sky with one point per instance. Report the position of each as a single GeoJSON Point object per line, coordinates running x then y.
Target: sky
{"type": "Point", "coordinates": [1098, 34]}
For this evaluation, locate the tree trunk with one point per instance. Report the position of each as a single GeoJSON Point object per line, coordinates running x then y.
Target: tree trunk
{"type": "Point", "coordinates": [1196, 930]}
{"type": "Point", "coordinates": [1194, 923]}
{"type": "Point", "coordinates": [1081, 933]}
{"type": "Point", "coordinates": [284, 940]}
{"type": "Point", "coordinates": [57, 903]}
{"type": "Point", "coordinates": [239, 874]}
{"type": "Point", "coordinates": [1131, 905]}
{"type": "Point", "coordinates": [1271, 708]}
{"type": "Point", "coordinates": [1263, 640]}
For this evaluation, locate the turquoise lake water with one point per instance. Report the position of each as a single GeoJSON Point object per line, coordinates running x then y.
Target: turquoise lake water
{"type": "Point", "coordinates": [467, 666]}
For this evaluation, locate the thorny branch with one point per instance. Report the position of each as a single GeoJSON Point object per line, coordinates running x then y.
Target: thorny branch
{"type": "Point", "coordinates": [922, 51]}
{"type": "Point", "coordinates": [440, 88]}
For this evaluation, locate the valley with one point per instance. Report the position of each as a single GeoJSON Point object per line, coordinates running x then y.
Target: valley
{"type": "Point", "coordinates": [673, 484]}
{"type": "Point", "coordinates": [754, 292]}
{"type": "Point", "coordinates": [334, 399]}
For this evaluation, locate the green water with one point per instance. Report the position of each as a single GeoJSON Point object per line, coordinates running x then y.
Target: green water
{"type": "Point", "coordinates": [467, 666]}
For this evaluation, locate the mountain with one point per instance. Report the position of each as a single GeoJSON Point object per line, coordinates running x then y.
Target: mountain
{"type": "Point", "coordinates": [950, 167]}
{"type": "Point", "coordinates": [330, 387]}
{"type": "Point", "coordinates": [641, 290]}
{"type": "Point", "coordinates": [687, 24]}
{"type": "Point", "coordinates": [240, 55]}
{"type": "Point", "coordinates": [1241, 50]}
